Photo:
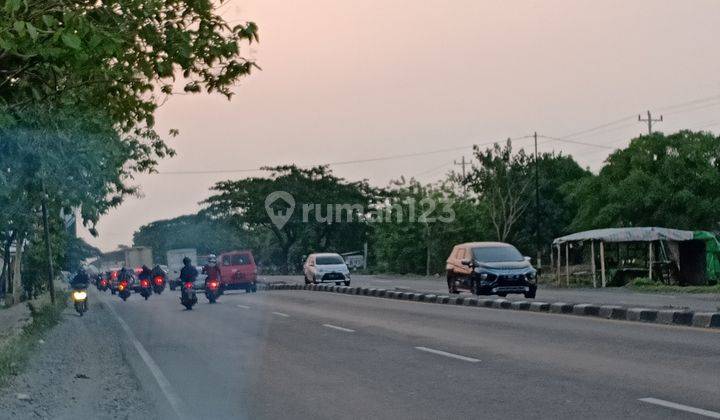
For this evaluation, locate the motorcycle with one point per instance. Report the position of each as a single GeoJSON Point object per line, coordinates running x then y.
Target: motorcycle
{"type": "Point", "coordinates": [123, 290]}
{"type": "Point", "coordinates": [158, 284]}
{"type": "Point", "coordinates": [188, 298]}
{"type": "Point", "coordinates": [102, 284]}
{"type": "Point", "coordinates": [145, 290]}
{"type": "Point", "coordinates": [79, 298]}
{"type": "Point", "coordinates": [212, 290]}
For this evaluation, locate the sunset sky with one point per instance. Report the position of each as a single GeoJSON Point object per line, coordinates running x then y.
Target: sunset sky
{"type": "Point", "coordinates": [351, 79]}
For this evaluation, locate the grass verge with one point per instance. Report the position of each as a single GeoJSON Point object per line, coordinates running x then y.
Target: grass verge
{"type": "Point", "coordinates": [16, 351]}
{"type": "Point", "coordinates": [647, 285]}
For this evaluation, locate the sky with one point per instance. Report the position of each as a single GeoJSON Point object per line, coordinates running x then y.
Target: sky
{"type": "Point", "coordinates": [350, 80]}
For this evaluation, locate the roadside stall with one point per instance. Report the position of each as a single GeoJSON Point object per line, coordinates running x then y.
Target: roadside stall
{"type": "Point", "coordinates": [617, 255]}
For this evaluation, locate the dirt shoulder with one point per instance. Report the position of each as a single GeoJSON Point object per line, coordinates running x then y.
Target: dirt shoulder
{"type": "Point", "coordinates": [80, 370]}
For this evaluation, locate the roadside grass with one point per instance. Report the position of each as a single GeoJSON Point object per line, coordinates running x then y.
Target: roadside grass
{"type": "Point", "coordinates": [647, 285]}
{"type": "Point", "coordinates": [16, 351]}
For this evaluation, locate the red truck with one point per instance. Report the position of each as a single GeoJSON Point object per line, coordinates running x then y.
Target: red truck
{"type": "Point", "coordinates": [238, 270]}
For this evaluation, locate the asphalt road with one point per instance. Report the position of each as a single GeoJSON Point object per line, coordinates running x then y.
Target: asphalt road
{"type": "Point", "coordinates": [608, 296]}
{"type": "Point", "coordinates": [314, 355]}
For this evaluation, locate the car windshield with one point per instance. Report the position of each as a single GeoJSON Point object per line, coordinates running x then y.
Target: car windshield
{"type": "Point", "coordinates": [497, 254]}
{"type": "Point", "coordinates": [329, 260]}
{"type": "Point", "coordinates": [237, 259]}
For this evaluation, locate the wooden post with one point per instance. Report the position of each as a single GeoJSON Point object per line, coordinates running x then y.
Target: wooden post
{"type": "Point", "coordinates": [567, 263]}
{"type": "Point", "coordinates": [650, 259]}
{"type": "Point", "coordinates": [592, 262]}
{"type": "Point", "coordinates": [559, 264]}
{"type": "Point", "coordinates": [602, 263]}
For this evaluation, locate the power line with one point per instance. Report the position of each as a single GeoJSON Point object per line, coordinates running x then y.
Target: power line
{"type": "Point", "coordinates": [344, 162]}
{"type": "Point", "coordinates": [564, 140]}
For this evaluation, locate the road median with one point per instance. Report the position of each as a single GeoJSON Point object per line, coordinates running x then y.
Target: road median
{"type": "Point", "coordinates": [615, 312]}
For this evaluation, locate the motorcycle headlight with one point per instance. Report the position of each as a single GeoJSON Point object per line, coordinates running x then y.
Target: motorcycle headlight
{"type": "Point", "coordinates": [79, 295]}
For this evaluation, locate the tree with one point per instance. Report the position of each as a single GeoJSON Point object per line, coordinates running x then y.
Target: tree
{"type": "Point", "coordinates": [405, 244]}
{"type": "Point", "coordinates": [191, 231]}
{"type": "Point", "coordinates": [501, 180]}
{"type": "Point", "coordinates": [323, 212]}
{"type": "Point", "coordinates": [658, 180]}
{"type": "Point", "coordinates": [79, 86]}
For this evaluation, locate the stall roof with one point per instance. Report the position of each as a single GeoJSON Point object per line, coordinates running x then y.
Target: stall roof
{"type": "Point", "coordinates": [631, 234]}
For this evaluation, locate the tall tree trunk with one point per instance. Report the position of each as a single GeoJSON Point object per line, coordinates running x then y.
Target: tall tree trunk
{"type": "Point", "coordinates": [17, 267]}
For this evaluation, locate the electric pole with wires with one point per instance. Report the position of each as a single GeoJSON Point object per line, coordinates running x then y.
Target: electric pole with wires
{"type": "Point", "coordinates": [538, 245]}
{"type": "Point", "coordinates": [649, 120]}
{"type": "Point", "coordinates": [462, 164]}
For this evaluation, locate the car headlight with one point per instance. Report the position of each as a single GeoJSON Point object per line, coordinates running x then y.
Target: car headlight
{"type": "Point", "coordinates": [530, 275]}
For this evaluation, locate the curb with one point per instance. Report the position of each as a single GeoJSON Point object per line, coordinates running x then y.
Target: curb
{"type": "Point", "coordinates": [656, 316]}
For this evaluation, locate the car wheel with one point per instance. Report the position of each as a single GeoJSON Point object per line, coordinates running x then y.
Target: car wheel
{"type": "Point", "coordinates": [307, 281]}
{"type": "Point", "coordinates": [530, 295]}
{"type": "Point", "coordinates": [347, 283]}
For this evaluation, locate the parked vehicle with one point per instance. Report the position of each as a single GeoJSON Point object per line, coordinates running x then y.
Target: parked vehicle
{"type": "Point", "coordinates": [238, 271]}
{"type": "Point", "coordinates": [79, 298]}
{"type": "Point", "coordinates": [490, 268]}
{"type": "Point", "coordinates": [326, 268]}
{"type": "Point", "coordinates": [212, 290]}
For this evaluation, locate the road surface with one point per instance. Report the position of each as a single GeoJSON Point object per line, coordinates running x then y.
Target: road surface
{"type": "Point", "coordinates": [608, 296]}
{"type": "Point", "coordinates": [314, 355]}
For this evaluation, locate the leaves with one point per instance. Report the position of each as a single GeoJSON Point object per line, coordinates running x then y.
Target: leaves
{"type": "Point", "coordinates": [71, 40]}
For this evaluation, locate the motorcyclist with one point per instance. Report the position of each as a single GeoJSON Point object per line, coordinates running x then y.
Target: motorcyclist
{"type": "Point", "coordinates": [145, 273]}
{"type": "Point", "coordinates": [158, 271]}
{"type": "Point", "coordinates": [188, 272]}
{"type": "Point", "coordinates": [81, 280]}
{"type": "Point", "coordinates": [127, 275]}
{"type": "Point", "coordinates": [211, 269]}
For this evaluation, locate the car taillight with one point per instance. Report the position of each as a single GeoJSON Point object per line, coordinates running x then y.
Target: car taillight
{"type": "Point", "coordinates": [188, 285]}
{"type": "Point", "coordinates": [158, 280]}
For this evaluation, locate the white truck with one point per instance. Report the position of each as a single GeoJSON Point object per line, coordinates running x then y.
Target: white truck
{"type": "Point", "coordinates": [175, 263]}
{"type": "Point", "coordinates": [138, 256]}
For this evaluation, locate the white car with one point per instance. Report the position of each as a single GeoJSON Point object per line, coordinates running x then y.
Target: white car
{"type": "Point", "coordinates": [326, 268]}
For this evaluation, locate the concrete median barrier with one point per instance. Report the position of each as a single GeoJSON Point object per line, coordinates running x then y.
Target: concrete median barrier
{"type": "Point", "coordinates": [501, 304]}
{"type": "Point", "coordinates": [586, 309]}
{"type": "Point", "coordinates": [642, 314]}
{"type": "Point", "coordinates": [561, 308]}
{"type": "Point", "coordinates": [520, 305]}
{"type": "Point", "coordinates": [616, 312]}
{"type": "Point", "coordinates": [539, 306]}
{"type": "Point", "coordinates": [676, 317]}
{"type": "Point", "coordinates": [706, 319]}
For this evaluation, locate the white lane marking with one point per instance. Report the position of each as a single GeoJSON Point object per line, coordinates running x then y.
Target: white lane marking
{"type": "Point", "coordinates": [335, 327]}
{"type": "Point", "coordinates": [162, 381]}
{"type": "Point", "coordinates": [680, 407]}
{"type": "Point", "coordinates": [281, 314]}
{"type": "Point", "coordinates": [243, 306]}
{"type": "Point", "coordinates": [446, 354]}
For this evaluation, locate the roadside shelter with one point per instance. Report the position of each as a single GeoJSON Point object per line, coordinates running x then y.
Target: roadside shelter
{"type": "Point", "coordinates": [671, 255]}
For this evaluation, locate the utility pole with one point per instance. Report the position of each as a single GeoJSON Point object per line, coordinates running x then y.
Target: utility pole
{"type": "Point", "coordinates": [649, 120]}
{"type": "Point", "coordinates": [48, 249]}
{"type": "Point", "coordinates": [538, 245]}
{"type": "Point", "coordinates": [462, 164]}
